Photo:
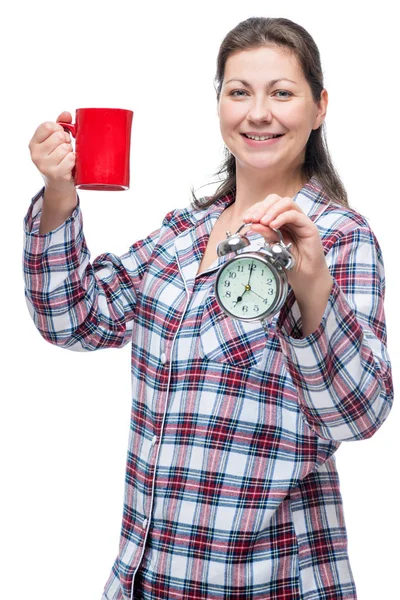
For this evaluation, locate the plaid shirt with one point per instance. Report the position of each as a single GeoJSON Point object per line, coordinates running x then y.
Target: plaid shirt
{"type": "Point", "coordinates": [231, 483]}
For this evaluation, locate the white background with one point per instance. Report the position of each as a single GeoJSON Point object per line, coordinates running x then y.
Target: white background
{"type": "Point", "coordinates": [65, 415]}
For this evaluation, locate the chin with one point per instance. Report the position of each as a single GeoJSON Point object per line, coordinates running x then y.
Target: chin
{"type": "Point", "coordinates": [257, 165]}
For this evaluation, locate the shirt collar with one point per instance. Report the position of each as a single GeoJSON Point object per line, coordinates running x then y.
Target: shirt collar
{"type": "Point", "coordinates": [311, 199]}
{"type": "Point", "coordinates": [190, 245]}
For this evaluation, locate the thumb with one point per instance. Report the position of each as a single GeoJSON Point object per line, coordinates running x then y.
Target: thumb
{"type": "Point", "coordinates": [65, 117]}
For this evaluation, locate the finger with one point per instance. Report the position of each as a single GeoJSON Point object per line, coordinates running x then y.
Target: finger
{"type": "Point", "coordinates": [290, 216]}
{"type": "Point", "coordinates": [58, 154]}
{"type": "Point", "coordinates": [255, 212]}
{"type": "Point", "coordinates": [60, 167]}
{"type": "Point", "coordinates": [45, 131]}
{"type": "Point", "coordinates": [66, 163]}
{"type": "Point", "coordinates": [259, 209]}
{"type": "Point", "coordinates": [272, 236]}
{"type": "Point", "coordinates": [270, 210]}
{"type": "Point", "coordinates": [268, 234]}
{"type": "Point", "coordinates": [282, 205]}
{"type": "Point", "coordinates": [65, 117]}
{"type": "Point", "coordinates": [273, 200]}
{"type": "Point", "coordinates": [57, 139]}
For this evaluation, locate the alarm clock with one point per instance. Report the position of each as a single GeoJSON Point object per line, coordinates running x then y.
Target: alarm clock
{"type": "Point", "coordinates": [253, 286]}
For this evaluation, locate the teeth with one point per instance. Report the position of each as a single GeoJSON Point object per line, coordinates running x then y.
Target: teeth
{"type": "Point", "coordinates": [262, 138]}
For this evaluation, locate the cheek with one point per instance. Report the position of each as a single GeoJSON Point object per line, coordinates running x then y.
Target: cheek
{"type": "Point", "coordinates": [299, 120]}
{"type": "Point", "coordinates": [230, 116]}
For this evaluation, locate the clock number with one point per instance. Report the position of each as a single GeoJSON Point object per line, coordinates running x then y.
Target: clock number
{"type": "Point", "coordinates": [256, 308]}
{"type": "Point", "coordinates": [240, 268]}
{"type": "Point", "coordinates": [270, 291]}
{"type": "Point", "coordinates": [227, 283]}
{"type": "Point", "coordinates": [228, 294]}
{"type": "Point", "coordinates": [232, 274]}
{"type": "Point", "coordinates": [245, 308]}
{"type": "Point", "coordinates": [269, 281]}
{"type": "Point", "coordinates": [252, 267]}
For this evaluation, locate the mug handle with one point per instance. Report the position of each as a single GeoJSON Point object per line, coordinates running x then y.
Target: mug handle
{"type": "Point", "coordinates": [69, 127]}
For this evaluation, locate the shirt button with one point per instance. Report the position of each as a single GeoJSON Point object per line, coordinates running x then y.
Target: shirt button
{"type": "Point", "coordinates": [144, 524]}
{"type": "Point", "coordinates": [153, 441]}
{"type": "Point", "coordinates": [163, 358]}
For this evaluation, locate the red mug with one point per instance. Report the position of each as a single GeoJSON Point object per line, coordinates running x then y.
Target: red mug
{"type": "Point", "coordinates": [102, 148]}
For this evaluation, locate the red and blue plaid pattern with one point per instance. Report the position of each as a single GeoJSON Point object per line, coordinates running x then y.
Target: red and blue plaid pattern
{"type": "Point", "coordinates": [231, 484]}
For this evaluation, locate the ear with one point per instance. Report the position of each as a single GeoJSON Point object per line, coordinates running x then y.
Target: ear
{"type": "Point", "coordinates": [322, 109]}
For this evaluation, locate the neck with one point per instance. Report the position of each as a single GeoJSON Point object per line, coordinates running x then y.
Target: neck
{"type": "Point", "coordinates": [250, 189]}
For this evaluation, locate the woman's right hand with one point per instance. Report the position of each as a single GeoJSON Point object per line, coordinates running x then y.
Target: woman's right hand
{"type": "Point", "coordinates": [52, 154]}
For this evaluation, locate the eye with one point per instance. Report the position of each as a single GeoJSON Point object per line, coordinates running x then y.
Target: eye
{"type": "Point", "coordinates": [235, 91]}
{"type": "Point", "coordinates": [284, 92]}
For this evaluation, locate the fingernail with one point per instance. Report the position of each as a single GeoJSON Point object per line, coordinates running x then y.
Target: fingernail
{"type": "Point", "coordinates": [266, 218]}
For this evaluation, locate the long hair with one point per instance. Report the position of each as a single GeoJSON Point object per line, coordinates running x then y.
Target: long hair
{"type": "Point", "coordinates": [257, 32]}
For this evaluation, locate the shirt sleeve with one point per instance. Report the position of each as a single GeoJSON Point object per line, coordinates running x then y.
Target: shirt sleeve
{"type": "Point", "coordinates": [342, 370]}
{"type": "Point", "coordinates": [74, 303]}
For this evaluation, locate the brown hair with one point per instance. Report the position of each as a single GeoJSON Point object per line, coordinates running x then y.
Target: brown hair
{"type": "Point", "coordinates": [256, 32]}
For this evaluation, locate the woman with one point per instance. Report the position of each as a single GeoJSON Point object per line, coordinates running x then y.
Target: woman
{"type": "Point", "coordinates": [231, 484]}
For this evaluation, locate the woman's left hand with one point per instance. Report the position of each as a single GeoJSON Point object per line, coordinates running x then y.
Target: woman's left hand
{"type": "Point", "coordinates": [284, 214]}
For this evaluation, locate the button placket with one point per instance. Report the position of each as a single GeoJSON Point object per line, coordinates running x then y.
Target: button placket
{"type": "Point", "coordinates": [152, 444]}
{"type": "Point", "coordinates": [161, 404]}
{"type": "Point", "coordinates": [154, 439]}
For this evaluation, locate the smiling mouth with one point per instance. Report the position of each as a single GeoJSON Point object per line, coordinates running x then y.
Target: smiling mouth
{"type": "Point", "coordinates": [265, 138]}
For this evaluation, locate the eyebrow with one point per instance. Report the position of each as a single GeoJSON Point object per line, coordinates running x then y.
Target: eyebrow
{"type": "Point", "coordinates": [269, 84]}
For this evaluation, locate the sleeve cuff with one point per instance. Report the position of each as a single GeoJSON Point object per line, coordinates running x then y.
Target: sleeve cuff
{"type": "Point", "coordinates": [289, 322]}
{"type": "Point", "coordinates": [37, 242]}
{"type": "Point", "coordinates": [338, 314]}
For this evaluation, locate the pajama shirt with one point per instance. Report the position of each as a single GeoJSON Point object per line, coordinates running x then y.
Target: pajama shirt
{"type": "Point", "coordinates": [231, 486]}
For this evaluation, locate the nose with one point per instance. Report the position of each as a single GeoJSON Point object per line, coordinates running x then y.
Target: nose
{"type": "Point", "coordinates": [260, 110]}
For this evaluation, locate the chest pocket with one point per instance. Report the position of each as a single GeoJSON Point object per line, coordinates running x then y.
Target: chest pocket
{"type": "Point", "coordinates": [227, 340]}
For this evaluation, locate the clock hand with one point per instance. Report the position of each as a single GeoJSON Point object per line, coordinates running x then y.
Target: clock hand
{"type": "Point", "coordinates": [258, 295]}
{"type": "Point", "coordinates": [251, 273]}
{"type": "Point", "coordinates": [240, 298]}
{"type": "Point", "coordinates": [251, 290]}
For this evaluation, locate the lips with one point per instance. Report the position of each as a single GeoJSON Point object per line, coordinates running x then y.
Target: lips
{"type": "Point", "coordinates": [261, 144]}
{"type": "Point", "coordinates": [276, 135]}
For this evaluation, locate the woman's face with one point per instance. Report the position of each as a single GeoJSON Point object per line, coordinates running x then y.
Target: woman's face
{"type": "Point", "coordinates": [284, 107]}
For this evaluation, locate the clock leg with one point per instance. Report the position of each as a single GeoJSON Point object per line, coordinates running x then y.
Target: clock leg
{"type": "Point", "coordinates": [265, 326]}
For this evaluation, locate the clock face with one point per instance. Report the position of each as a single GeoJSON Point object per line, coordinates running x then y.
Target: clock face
{"type": "Point", "coordinates": [246, 287]}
